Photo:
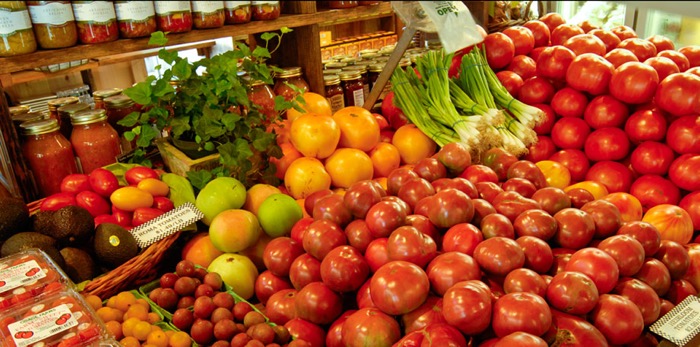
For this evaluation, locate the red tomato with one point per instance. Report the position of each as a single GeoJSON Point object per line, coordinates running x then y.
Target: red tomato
{"type": "Point", "coordinates": [563, 32]}
{"type": "Point", "coordinates": [499, 255]}
{"type": "Point", "coordinates": [642, 295]}
{"type": "Point", "coordinates": [587, 26]}
{"type": "Point", "coordinates": [677, 57]}
{"type": "Point", "coordinates": [57, 201]}
{"type": "Point", "coordinates": [572, 292]}
{"type": "Point", "coordinates": [627, 252]}
{"type": "Point", "coordinates": [619, 56]}
{"type": "Point", "coordinates": [540, 32]}
{"type": "Point", "coordinates": [675, 257]}
{"type": "Point", "coordinates": [344, 269]}
{"type": "Point", "coordinates": [607, 144]}
{"type": "Point", "coordinates": [75, 183]}
{"type": "Point", "coordinates": [144, 214]}
{"type": "Point", "coordinates": [552, 199]}
{"type": "Point", "coordinates": [663, 66]}
{"type": "Point", "coordinates": [597, 265]}
{"type": "Point", "coordinates": [606, 216]}
{"type": "Point", "coordinates": [267, 284]}
{"type": "Point", "coordinates": [661, 42]}
{"type": "Point", "coordinates": [643, 49]}
{"type": "Point", "coordinates": [618, 318]}
{"type": "Point", "coordinates": [552, 20]}
{"type": "Point", "coordinates": [585, 43]}
{"type": "Point", "coordinates": [691, 204]}
{"type": "Point", "coordinates": [449, 268]}
{"type": "Point", "coordinates": [624, 32]}
{"type": "Point", "coordinates": [568, 102]}
{"type": "Point", "coordinates": [652, 190]}
{"type": "Point", "coordinates": [467, 306]}
{"type": "Point", "coordinates": [646, 125]}
{"type": "Point", "coordinates": [608, 37]}
{"type": "Point", "coordinates": [399, 287]}
{"type": "Point", "coordinates": [523, 39]}
{"type": "Point", "coordinates": [570, 133]}
{"type": "Point", "coordinates": [318, 304]}
{"type": "Point", "coordinates": [536, 90]}
{"type": "Point", "coordinates": [651, 158]}
{"type": "Point", "coordinates": [500, 50]}
{"type": "Point", "coordinates": [93, 203]}
{"type": "Point", "coordinates": [683, 135]}
{"type": "Point", "coordinates": [511, 80]}
{"type": "Point", "coordinates": [540, 150]}
{"type": "Point", "coordinates": [280, 306]}
{"type": "Point", "coordinates": [321, 237]}
{"type": "Point", "coordinates": [554, 61]}
{"type": "Point", "coordinates": [135, 174]}
{"type": "Point", "coordinates": [538, 254]}
{"type": "Point", "coordinates": [582, 332]}
{"type": "Point", "coordinates": [522, 65]}
{"type": "Point", "coordinates": [544, 127]}
{"type": "Point", "coordinates": [645, 233]}
{"type": "Point", "coordinates": [575, 230]}
{"type": "Point", "coordinates": [692, 53]}
{"type": "Point", "coordinates": [162, 203]}
{"type": "Point", "coordinates": [407, 243]}
{"type": "Point", "coordinates": [524, 280]}
{"type": "Point", "coordinates": [279, 254]}
{"type": "Point", "coordinates": [302, 329]}
{"type": "Point", "coordinates": [393, 113]}
{"type": "Point", "coordinates": [478, 173]}
{"type": "Point", "coordinates": [590, 73]}
{"type": "Point", "coordinates": [605, 111]}
{"type": "Point", "coordinates": [677, 94]}
{"type": "Point", "coordinates": [575, 160]}
{"type": "Point", "coordinates": [103, 182]}
{"type": "Point", "coordinates": [634, 83]}
{"type": "Point", "coordinates": [535, 53]}
{"type": "Point", "coordinates": [526, 312]}
{"type": "Point", "coordinates": [383, 123]}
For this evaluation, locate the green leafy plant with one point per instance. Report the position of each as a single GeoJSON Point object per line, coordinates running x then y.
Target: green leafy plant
{"type": "Point", "coordinates": [207, 102]}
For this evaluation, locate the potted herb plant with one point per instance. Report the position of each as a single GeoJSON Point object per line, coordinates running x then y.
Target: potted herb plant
{"type": "Point", "coordinates": [206, 103]}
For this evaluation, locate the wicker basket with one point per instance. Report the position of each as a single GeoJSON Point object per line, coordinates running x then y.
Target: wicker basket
{"type": "Point", "coordinates": [140, 270]}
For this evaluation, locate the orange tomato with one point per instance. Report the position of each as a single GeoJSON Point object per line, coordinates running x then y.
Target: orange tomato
{"type": "Point", "coordinates": [413, 144]}
{"type": "Point", "coordinates": [673, 222]}
{"type": "Point", "coordinates": [597, 189]}
{"type": "Point", "coordinates": [154, 186]}
{"type": "Point", "coordinates": [630, 207]}
{"type": "Point", "coordinates": [280, 128]}
{"type": "Point", "coordinates": [304, 176]}
{"type": "Point", "coordinates": [382, 182]}
{"type": "Point", "coordinates": [557, 174]}
{"type": "Point", "coordinates": [349, 165]}
{"type": "Point", "coordinates": [315, 135]}
{"type": "Point", "coordinates": [315, 103]}
{"type": "Point", "coordinates": [289, 154]}
{"type": "Point", "coordinates": [358, 128]}
{"type": "Point", "coordinates": [385, 158]}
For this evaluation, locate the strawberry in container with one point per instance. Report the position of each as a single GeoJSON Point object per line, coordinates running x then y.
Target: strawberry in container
{"type": "Point", "coordinates": [59, 319]}
{"type": "Point", "coordinates": [29, 274]}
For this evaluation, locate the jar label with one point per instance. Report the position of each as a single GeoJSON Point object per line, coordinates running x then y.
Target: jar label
{"type": "Point", "coordinates": [94, 12]}
{"type": "Point", "coordinates": [358, 97]}
{"type": "Point", "coordinates": [165, 7]}
{"type": "Point", "coordinates": [135, 10]}
{"type": "Point", "coordinates": [207, 6]}
{"type": "Point", "coordinates": [337, 102]}
{"type": "Point", "coordinates": [42, 325]}
{"type": "Point", "coordinates": [20, 275]}
{"type": "Point", "coordinates": [258, 3]}
{"type": "Point", "coordinates": [53, 13]}
{"type": "Point", "coordinates": [14, 21]}
{"type": "Point", "coordinates": [235, 4]}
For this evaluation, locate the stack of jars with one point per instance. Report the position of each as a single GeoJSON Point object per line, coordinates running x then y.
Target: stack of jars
{"type": "Point", "coordinates": [61, 24]}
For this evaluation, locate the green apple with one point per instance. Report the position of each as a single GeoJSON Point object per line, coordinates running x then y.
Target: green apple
{"type": "Point", "coordinates": [221, 193]}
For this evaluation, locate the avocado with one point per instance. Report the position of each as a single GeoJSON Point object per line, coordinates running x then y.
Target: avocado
{"type": "Point", "coordinates": [14, 217]}
{"type": "Point", "coordinates": [70, 225]}
{"type": "Point", "coordinates": [114, 245]}
{"type": "Point", "coordinates": [25, 240]}
{"type": "Point", "coordinates": [80, 266]}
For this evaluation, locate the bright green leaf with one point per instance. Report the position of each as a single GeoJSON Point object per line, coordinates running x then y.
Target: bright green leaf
{"type": "Point", "coordinates": [199, 178]}
{"type": "Point", "coordinates": [130, 119]}
{"type": "Point", "coordinates": [261, 52]}
{"type": "Point", "coordinates": [267, 36]}
{"type": "Point", "coordinates": [285, 30]}
{"type": "Point", "coordinates": [140, 93]}
{"type": "Point", "coordinates": [158, 38]}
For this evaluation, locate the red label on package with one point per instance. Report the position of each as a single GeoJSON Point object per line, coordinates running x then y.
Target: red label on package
{"type": "Point", "coordinates": [19, 275]}
{"type": "Point", "coordinates": [42, 325]}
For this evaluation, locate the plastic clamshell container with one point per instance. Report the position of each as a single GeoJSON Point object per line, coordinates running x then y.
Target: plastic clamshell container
{"type": "Point", "coordinates": [61, 319]}
{"type": "Point", "coordinates": [27, 275]}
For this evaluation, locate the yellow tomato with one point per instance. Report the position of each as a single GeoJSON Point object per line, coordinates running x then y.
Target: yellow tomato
{"type": "Point", "coordinates": [289, 154]}
{"type": "Point", "coordinates": [557, 174]}
{"type": "Point", "coordinates": [315, 135]}
{"type": "Point", "coordinates": [154, 186]}
{"type": "Point", "coordinates": [349, 165]}
{"type": "Point", "coordinates": [630, 207]}
{"type": "Point", "coordinates": [673, 222]}
{"type": "Point", "coordinates": [304, 176]}
{"type": "Point", "coordinates": [315, 103]}
{"type": "Point", "coordinates": [131, 198]}
{"type": "Point", "coordinates": [385, 158]}
{"type": "Point", "coordinates": [358, 128]}
{"type": "Point", "coordinates": [597, 189]}
{"type": "Point", "coordinates": [413, 144]}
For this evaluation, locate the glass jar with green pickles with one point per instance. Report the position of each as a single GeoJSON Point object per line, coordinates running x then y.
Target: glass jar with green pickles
{"type": "Point", "coordinates": [16, 34]}
{"type": "Point", "coordinates": [54, 23]}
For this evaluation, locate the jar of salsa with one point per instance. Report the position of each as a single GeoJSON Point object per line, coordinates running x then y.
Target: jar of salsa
{"type": "Point", "coordinates": [334, 92]}
{"type": "Point", "coordinates": [94, 141]}
{"type": "Point", "coordinates": [135, 18]}
{"type": "Point", "coordinates": [117, 107]}
{"type": "Point", "coordinates": [174, 16]}
{"type": "Point", "coordinates": [237, 12]}
{"type": "Point", "coordinates": [208, 14]}
{"type": "Point", "coordinates": [351, 81]}
{"type": "Point", "coordinates": [263, 96]}
{"type": "Point", "coordinates": [16, 34]}
{"type": "Point", "coordinates": [97, 21]}
{"type": "Point", "coordinates": [342, 4]}
{"type": "Point", "coordinates": [65, 113]}
{"type": "Point", "coordinates": [48, 153]}
{"type": "Point", "coordinates": [58, 102]}
{"type": "Point", "coordinates": [374, 71]}
{"type": "Point", "coordinates": [18, 119]}
{"type": "Point", "coordinates": [98, 96]}
{"type": "Point", "coordinates": [362, 69]}
{"type": "Point", "coordinates": [293, 76]}
{"type": "Point", "coordinates": [265, 10]}
{"type": "Point", "coordinates": [54, 23]}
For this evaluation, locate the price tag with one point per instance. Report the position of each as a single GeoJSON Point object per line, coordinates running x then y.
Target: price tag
{"type": "Point", "coordinates": [166, 224]}
{"type": "Point", "coordinates": [680, 324]}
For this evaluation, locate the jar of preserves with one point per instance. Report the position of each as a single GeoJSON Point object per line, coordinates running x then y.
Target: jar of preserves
{"type": "Point", "coordinates": [18, 119]}
{"type": "Point", "coordinates": [54, 23]}
{"type": "Point", "coordinates": [208, 14]}
{"type": "Point", "coordinates": [58, 102]}
{"type": "Point", "coordinates": [374, 71]}
{"type": "Point", "coordinates": [117, 107]}
{"type": "Point", "coordinates": [48, 153]}
{"type": "Point", "coordinates": [135, 18]}
{"type": "Point", "coordinates": [363, 70]}
{"type": "Point", "coordinates": [237, 12]}
{"type": "Point", "coordinates": [98, 96]}
{"type": "Point", "coordinates": [65, 113]}
{"type": "Point", "coordinates": [351, 81]}
{"type": "Point", "coordinates": [342, 4]}
{"type": "Point", "coordinates": [264, 97]}
{"type": "Point", "coordinates": [174, 16]}
{"type": "Point", "coordinates": [293, 76]}
{"type": "Point", "coordinates": [97, 21]}
{"type": "Point", "coordinates": [16, 34]}
{"type": "Point", "coordinates": [265, 10]}
{"type": "Point", "coordinates": [94, 141]}
{"type": "Point", "coordinates": [334, 92]}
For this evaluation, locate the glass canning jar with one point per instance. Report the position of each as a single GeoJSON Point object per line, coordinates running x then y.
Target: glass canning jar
{"type": "Point", "coordinates": [58, 102]}
{"type": "Point", "coordinates": [351, 81]}
{"type": "Point", "coordinates": [293, 76]}
{"type": "Point", "coordinates": [136, 18]}
{"type": "Point", "coordinates": [265, 10]}
{"type": "Point", "coordinates": [237, 12]}
{"type": "Point", "coordinates": [48, 153]}
{"type": "Point", "coordinates": [97, 21]}
{"type": "Point", "coordinates": [263, 96]}
{"type": "Point", "coordinates": [334, 92]}
{"type": "Point", "coordinates": [65, 113]}
{"type": "Point", "coordinates": [16, 34]}
{"type": "Point", "coordinates": [208, 14]}
{"type": "Point", "coordinates": [94, 141]}
{"type": "Point", "coordinates": [117, 107]}
{"type": "Point", "coordinates": [174, 16]}
{"type": "Point", "coordinates": [98, 96]}
{"type": "Point", "coordinates": [54, 23]}
{"type": "Point", "coordinates": [18, 119]}
{"type": "Point", "coordinates": [363, 70]}
{"type": "Point", "coordinates": [374, 71]}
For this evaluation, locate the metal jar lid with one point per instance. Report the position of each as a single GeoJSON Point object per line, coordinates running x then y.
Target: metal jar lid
{"type": "Point", "coordinates": [330, 80]}
{"type": "Point", "coordinates": [332, 71]}
{"type": "Point", "coordinates": [88, 117]}
{"type": "Point", "coordinates": [359, 68]}
{"type": "Point", "coordinates": [349, 61]}
{"type": "Point", "coordinates": [377, 67]}
{"type": "Point", "coordinates": [105, 93]}
{"type": "Point", "coordinates": [336, 65]}
{"type": "Point", "coordinates": [73, 108]}
{"type": "Point", "coordinates": [19, 109]}
{"type": "Point", "coordinates": [39, 127]}
{"type": "Point", "coordinates": [56, 103]}
{"type": "Point", "coordinates": [349, 75]}
{"type": "Point", "coordinates": [287, 72]}
{"type": "Point", "coordinates": [119, 100]}
{"type": "Point", "coordinates": [27, 117]}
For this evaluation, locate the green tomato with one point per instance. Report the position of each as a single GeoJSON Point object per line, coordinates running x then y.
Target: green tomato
{"type": "Point", "coordinates": [221, 193]}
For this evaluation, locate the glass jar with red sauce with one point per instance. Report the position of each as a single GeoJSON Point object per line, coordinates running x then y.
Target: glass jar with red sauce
{"type": "Point", "coordinates": [263, 96]}
{"type": "Point", "coordinates": [99, 96]}
{"type": "Point", "coordinates": [18, 119]}
{"type": "Point", "coordinates": [97, 21]}
{"type": "Point", "coordinates": [363, 70]}
{"type": "Point", "coordinates": [237, 12]}
{"type": "Point", "coordinates": [174, 16]}
{"type": "Point", "coordinates": [48, 153]}
{"type": "Point", "coordinates": [265, 10]}
{"type": "Point", "coordinates": [374, 71]}
{"type": "Point", "coordinates": [94, 141]}
{"type": "Point", "coordinates": [293, 76]}
{"type": "Point", "coordinates": [342, 4]}
{"type": "Point", "coordinates": [351, 81]}
{"type": "Point", "coordinates": [54, 104]}
{"type": "Point", "coordinates": [65, 113]}
{"type": "Point", "coordinates": [54, 23]}
{"type": "Point", "coordinates": [117, 107]}
{"type": "Point", "coordinates": [208, 14]}
{"type": "Point", "coordinates": [136, 18]}
{"type": "Point", "coordinates": [334, 92]}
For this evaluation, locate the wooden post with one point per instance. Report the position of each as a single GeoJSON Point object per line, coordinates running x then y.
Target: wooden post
{"type": "Point", "coordinates": [13, 168]}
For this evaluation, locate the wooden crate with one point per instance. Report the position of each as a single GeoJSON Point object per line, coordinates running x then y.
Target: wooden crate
{"type": "Point", "coordinates": [179, 163]}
